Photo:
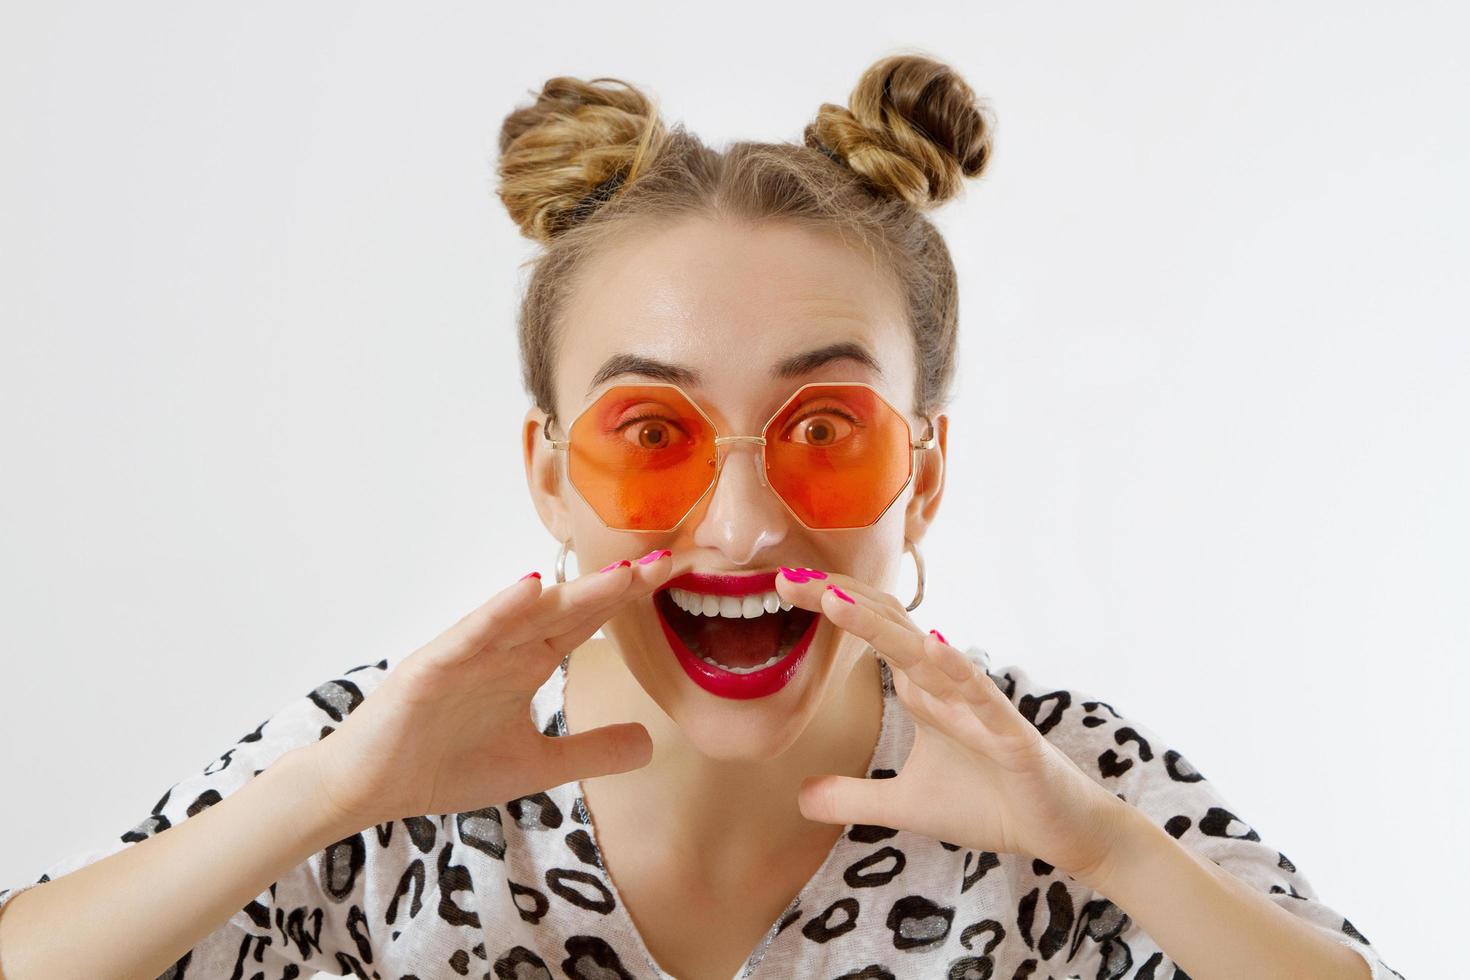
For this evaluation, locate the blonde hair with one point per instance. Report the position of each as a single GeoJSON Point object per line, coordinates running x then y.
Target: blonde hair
{"type": "Point", "coordinates": [589, 160]}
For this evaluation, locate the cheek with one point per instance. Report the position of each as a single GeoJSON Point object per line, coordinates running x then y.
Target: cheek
{"type": "Point", "coordinates": [872, 555]}
{"type": "Point", "coordinates": [595, 545]}
{"type": "Point", "coordinates": [636, 631]}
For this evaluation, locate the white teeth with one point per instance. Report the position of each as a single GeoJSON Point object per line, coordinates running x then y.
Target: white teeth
{"type": "Point", "coordinates": [732, 607]}
{"type": "Point", "coordinates": [742, 670]}
{"type": "Point", "coordinates": [729, 606]}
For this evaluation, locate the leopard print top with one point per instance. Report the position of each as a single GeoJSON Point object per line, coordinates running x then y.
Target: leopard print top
{"type": "Point", "coordinates": [518, 891]}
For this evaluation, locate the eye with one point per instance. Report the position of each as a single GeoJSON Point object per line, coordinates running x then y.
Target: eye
{"type": "Point", "coordinates": [651, 433]}
{"type": "Point", "coordinates": [821, 428]}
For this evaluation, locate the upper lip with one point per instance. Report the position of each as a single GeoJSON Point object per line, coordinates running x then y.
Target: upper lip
{"type": "Point", "coordinates": [736, 585]}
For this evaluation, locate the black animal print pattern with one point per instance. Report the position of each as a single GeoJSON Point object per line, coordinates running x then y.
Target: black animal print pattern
{"type": "Point", "coordinates": [518, 890]}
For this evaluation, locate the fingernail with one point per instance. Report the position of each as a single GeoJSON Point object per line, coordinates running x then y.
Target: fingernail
{"type": "Point", "coordinates": [654, 556]}
{"type": "Point", "coordinates": [792, 574]}
{"type": "Point", "coordinates": [940, 635]}
{"type": "Point", "coordinates": [529, 575]}
{"type": "Point", "coordinates": [617, 564]}
{"type": "Point", "coordinates": [842, 595]}
{"type": "Point", "coordinates": [813, 573]}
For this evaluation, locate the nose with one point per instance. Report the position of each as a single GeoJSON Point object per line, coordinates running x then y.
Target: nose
{"type": "Point", "coordinates": [742, 516]}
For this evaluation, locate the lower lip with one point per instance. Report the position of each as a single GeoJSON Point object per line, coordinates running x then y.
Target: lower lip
{"type": "Point", "coordinates": [722, 683]}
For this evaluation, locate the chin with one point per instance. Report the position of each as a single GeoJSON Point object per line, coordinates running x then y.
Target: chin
{"type": "Point", "coordinates": [737, 736]}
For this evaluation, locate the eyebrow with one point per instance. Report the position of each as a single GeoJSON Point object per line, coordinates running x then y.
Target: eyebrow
{"type": "Point", "coordinates": [791, 367]}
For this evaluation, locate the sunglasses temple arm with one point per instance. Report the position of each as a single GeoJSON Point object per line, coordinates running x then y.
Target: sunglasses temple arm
{"type": "Point", "coordinates": [929, 440]}
{"type": "Point", "coordinates": [546, 433]}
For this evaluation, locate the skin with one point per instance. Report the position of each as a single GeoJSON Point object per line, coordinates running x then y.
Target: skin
{"type": "Point", "coordinates": [741, 800]}
{"type": "Point", "coordinates": [689, 294]}
{"type": "Point", "coordinates": [715, 831]}
{"type": "Point", "coordinates": [712, 833]}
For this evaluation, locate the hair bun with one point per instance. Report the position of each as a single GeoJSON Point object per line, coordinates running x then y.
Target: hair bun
{"type": "Point", "coordinates": [568, 153]}
{"type": "Point", "coordinates": [914, 128]}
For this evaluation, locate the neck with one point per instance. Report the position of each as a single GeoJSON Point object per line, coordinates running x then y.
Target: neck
{"type": "Point", "coordinates": [724, 816]}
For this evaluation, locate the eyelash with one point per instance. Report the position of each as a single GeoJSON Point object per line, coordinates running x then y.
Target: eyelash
{"type": "Point", "coordinates": [816, 411]}
{"type": "Point", "coordinates": [649, 417]}
{"type": "Point", "coordinates": [828, 411]}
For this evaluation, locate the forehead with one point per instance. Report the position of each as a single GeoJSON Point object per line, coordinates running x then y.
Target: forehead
{"type": "Point", "coordinates": [730, 302]}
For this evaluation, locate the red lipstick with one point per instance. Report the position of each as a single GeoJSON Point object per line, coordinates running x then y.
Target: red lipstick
{"type": "Point", "coordinates": [723, 584]}
{"type": "Point", "coordinates": [716, 680]}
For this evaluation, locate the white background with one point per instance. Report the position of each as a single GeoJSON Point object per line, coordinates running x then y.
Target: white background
{"type": "Point", "coordinates": [259, 396]}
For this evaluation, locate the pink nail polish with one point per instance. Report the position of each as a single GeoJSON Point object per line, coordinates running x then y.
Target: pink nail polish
{"type": "Point", "coordinates": [842, 595]}
{"type": "Point", "coordinates": [813, 573]}
{"type": "Point", "coordinates": [617, 564]}
{"type": "Point", "coordinates": [654, 556]}
{"type": "Point", "coordinates": [792, 574]}
{"type": "Point", "coordinates": [940, 635]}
{"type": "Point", "coordinates": [529, 575]}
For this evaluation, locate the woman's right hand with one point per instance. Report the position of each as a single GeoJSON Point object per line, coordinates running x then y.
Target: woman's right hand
{"type": "Point", "coordinates": [449, 729]}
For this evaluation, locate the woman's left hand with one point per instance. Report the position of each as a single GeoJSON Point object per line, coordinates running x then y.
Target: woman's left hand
{"type": "Point", "coordinates": [979, 775]}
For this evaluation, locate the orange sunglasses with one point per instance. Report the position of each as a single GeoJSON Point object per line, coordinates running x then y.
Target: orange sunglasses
{"type": "Point", "coordinates": [835, 453]}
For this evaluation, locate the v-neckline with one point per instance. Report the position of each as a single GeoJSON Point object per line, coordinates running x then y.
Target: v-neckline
{"type": "Point", "coordinates": [882, 752]}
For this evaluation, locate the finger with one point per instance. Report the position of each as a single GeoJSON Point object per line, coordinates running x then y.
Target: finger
{"type": "Point", "coordinates": [804, 586]}
{"type": "Point", "coordinates": [991, 706]}
{"type": "Point", "coordinates": [919, 702]}
{"type": "Point", "coordinates": [977, 688]}
{"type": "Point", "coordinates": [529, 665]}
{"type": "Point", "coordinates": [564, 602]}
{"type": "Point", "coordinates": [901, 646]}
{"type": "Point", "coordinates": [600, 751]}
{"type": "Point", "coordinates": [845, 800]}
{"type": "Point", "coordinates": [576, 631]}
{"type": "Point", "coordinates": [527, 610]}
{"type": "Point", "coordinates": [885, 602]}
{"type": "Point", "coordinates": [952, 717]}
{"type": "Point", "coordinates": [587, 617]}
{"type": "Point", "coordinates": [949, 659]}
{"type": "Point", "coordinates": [469, 634]}
{"type": "Point", "coordinates": [564, 643]}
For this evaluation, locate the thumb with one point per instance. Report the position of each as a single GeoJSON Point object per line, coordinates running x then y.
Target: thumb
{"type": "Point", "coordinates": [599, 752]}
{"type": "Point", "coordinates": [844, 800]}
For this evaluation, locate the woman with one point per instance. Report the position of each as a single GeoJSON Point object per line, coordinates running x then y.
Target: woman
{"type": "Point", "coordinates": [765, 768]}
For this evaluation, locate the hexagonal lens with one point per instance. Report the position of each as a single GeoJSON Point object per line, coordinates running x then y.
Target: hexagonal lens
{"type": "Point", "coordinates": [838, 454]}
{"type": "Point", "coordinates": [641, 456]}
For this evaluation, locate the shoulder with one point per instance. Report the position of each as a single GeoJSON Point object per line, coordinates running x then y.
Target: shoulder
{"type": "Point", "coordinates": [1113, 748]}
{"type": "Point", "coordinates": [1147, 770]}
{"type": "Point", "coordinates": [305, 718]}
{"type": "Point", "coordinates": [1141, 766]}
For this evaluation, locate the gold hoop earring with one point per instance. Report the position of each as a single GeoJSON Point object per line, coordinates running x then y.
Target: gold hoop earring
{"type": "Point", "coordinates": [913, 549]}
{"type": "Point", "coordinates": [561, 561]}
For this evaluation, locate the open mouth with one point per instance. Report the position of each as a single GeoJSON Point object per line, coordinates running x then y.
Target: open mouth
{"type": "Point", "coordinates": [739, 634]}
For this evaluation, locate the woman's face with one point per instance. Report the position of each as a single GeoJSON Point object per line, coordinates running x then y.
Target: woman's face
{"type": "Point", "coordinates": [724, 306]}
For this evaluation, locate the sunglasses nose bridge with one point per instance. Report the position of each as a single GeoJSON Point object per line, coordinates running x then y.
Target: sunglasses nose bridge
{"type": "Point", "coordinates": [757, 442]}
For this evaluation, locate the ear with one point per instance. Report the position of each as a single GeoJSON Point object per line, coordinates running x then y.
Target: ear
{"type": "Point", "coordinates": [543, 476]}
{"type": "Point", "coordinates": [928, 483]}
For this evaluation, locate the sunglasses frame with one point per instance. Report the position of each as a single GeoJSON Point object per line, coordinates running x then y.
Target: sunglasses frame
{"type": "Point", "coordinates": [928, 442]}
